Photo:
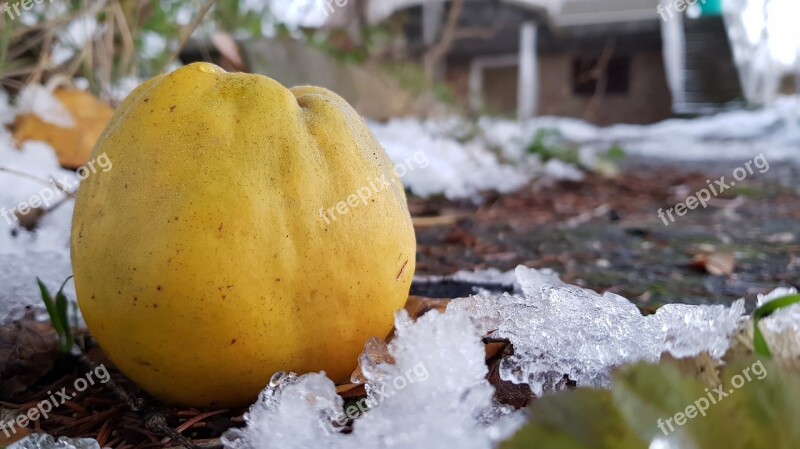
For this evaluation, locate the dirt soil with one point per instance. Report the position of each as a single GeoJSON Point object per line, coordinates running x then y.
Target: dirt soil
{"type": "Point", "coordinates": [605, 234]}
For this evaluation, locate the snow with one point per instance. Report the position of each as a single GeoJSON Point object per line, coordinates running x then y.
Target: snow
{"type": "Point", "coordinates": [561, 331]}
{"type": "Point", "coordinates": [783, 319]}
{"type": "Point", "coordinates": [37, 100]}
{"type": "Point", "coordinates": [435, 395]}
{"type": "Point", "coordinates": [45, 441]}
{"type": "Point", "coordinates": [456, 169]}
{"type": "Point", "coordinates": [44, 252]}
{"type": "Point", "coordinates": [466, 158]}
{"type": "Point", "coordinates": [491, 276]}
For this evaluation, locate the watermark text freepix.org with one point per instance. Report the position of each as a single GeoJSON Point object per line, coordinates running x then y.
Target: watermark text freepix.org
{"type": "Point", "coordinates": [372, 187]}
{"type": "Point", "coordinates": [679, 6]}
{"type": "Point", "coordinates": [328, 6]}
{"type": "Point", "coordinates": [12, 9]}
{"type": "Point", "coordinates": [418, 373]}
{"type": "Point", "coordinates": [702, 196]}
{"type": "Point", "coordinates": [46, 196]}
{"type": "Point", "coordinates": [54, 400]}
{"type": "Point", "coordinates": [713, 397]}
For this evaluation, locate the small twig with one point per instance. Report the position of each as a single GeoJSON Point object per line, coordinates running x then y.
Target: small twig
{"type": "Point", "coordinates": [135, 404]}
{"type": "Point", "coordinates": [188, 33]}
{"type": "Point", "coordinates": [157, 423]}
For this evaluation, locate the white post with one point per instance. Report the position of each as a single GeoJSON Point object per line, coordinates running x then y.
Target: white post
{"type": "Point", "coordinates": [528, 82]}
{"type": "Point", "coordinates": [475, 85]}
{"type": "Point", "coordinates": [431, 20]}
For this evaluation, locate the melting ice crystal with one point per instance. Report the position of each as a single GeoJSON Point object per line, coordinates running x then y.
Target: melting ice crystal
{"type": "Point", "coordinates": [562, 332]}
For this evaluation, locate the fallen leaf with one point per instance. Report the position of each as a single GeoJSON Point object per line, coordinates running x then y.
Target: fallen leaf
{"type": "Point", "coordinates": [718, 263]}
{"type": "Point", "coordinates": [73, 145]}
{"type": "Point", "coordinates": [28, 351]}
{"type": "Point", "coordinates": [416, 306]}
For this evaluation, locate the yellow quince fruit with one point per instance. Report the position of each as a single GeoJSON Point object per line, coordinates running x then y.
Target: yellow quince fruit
{"type": "Point", "coordinates": [216, 252]}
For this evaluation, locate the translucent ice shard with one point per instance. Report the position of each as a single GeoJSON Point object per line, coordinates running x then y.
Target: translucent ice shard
{"type": "Point", "coordinates": [692, 329]}
{"type": "Point", "coordinates": [291, 412]}
{"type": "Point", "coordinates": [563, 333]}
{"type": "Point", "coordinates": [45, 441]}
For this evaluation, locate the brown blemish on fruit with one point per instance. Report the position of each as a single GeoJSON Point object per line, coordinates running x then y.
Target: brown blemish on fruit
{"type": "Point", "coordinates": [402, 269]}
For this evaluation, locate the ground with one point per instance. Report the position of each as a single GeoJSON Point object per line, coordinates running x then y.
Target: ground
{"type": "Point", "coordinates": [603, 233]}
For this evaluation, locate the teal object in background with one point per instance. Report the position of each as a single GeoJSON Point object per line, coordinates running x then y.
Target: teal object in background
{"type": "Point", "coordinates": [710, 8]}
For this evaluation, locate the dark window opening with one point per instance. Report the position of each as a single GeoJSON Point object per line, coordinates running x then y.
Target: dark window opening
{"type": "Point", "coordinates": [586, 74]}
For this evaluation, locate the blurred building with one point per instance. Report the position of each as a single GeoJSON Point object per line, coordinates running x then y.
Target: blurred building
{"type": "Point", "coordinates": [606, 61]}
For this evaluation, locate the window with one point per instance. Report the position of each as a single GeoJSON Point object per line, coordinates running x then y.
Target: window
{"type": "Point", "coordinates": [585, 76]}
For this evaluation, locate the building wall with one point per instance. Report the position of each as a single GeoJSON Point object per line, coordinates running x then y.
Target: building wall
{"type": "Point", "coordinates": [647, 99]}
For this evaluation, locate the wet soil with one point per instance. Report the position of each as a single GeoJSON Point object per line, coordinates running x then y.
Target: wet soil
{"type": "Point", "coordinates": [606, 234]}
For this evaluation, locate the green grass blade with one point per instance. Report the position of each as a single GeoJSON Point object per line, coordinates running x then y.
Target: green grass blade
{"type": "Point", "coordinates": [50, 306]}
{"type": "Point", "coordinates": [62, 304]}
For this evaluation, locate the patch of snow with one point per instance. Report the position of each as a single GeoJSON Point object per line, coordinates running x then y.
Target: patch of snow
{"type": "Point", "coordinates": [488, 276]}
{"type": "Point", "coordinates": [38, 100]}
{"type": "Point", "coordinates": [45, 441]}
{"type": "Point", "coordinates": [152, 45]}
{"type": "Point", "coordinates": [24, 255]}
{"type": "Point", "coordinates": [493, 153]}
{"type": "Point", "coordinates": [786, 319]}
{"type": "Point", "coordinates": [455, 169]}
{"type": "Point", "coordinates": [434, 396]}
{"type": "Point", "coordinates": [561, 331]}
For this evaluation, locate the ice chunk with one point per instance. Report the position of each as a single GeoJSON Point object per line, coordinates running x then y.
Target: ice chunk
{"type": "Point", "coordinates": [690, 329]}
{"type": "Point", "coordinates": [559, 330]}
{"type": "Point", "coordinates": [434, 395]}
{"type": "Point", "coordinates": [438, 381]}
{"type": "Point", "coordinates": [562, 332]}
{"type": "Point", "coordinates": [45, 441]}
{"type": "Point", "coordinates": [291, 412]}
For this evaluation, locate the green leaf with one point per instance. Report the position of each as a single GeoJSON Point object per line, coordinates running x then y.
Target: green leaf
{"type": "Point", "coordinates": [578, 419]}
{"type": "Point", "coordinates": [755, 407]}
{"type": "Point", "coordinates": [615, 153]}
{"type": "Point", "coordinates": [759, 343]}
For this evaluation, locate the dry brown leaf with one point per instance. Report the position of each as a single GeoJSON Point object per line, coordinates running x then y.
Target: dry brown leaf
{"type": "Point", "coordinates": [437, 220]}
{"type": "Point", "coordinates": [717, 263]}
{"type": "Point", "coordinates": [28, 351]}
{"type": "Point", "coordinates": [416, 306]}
{"type": "Point", "coordinates": [73, 145]}
{"type": "Point", "coordinates": [347, 391]}
{"type": "Point", "coordinates": [505, 392]}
